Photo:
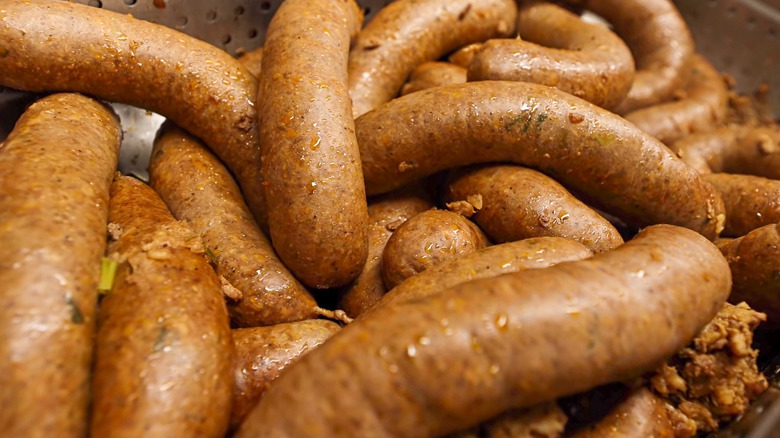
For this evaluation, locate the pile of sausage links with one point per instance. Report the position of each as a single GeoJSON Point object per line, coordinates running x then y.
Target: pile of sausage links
{"type": "Point", "coordinates": [463, 218]}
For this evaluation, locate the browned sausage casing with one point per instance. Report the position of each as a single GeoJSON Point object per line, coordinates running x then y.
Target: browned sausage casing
{"type": "Point", "coordinates": [406, 33]}
{"type": "Point", "coordinates": [385, 215]}
{"type": "Point", "coordinates": [753, 261]}
{"type": "Point", "coordinates": [311, 163]}
{"type": "Point", "coordinates": [262, 353]}
{"type": "Point", "coordinates": [590, 150]}
{"type": "Point", "coordinates": [55, 171]}
{"type": "Point", "coordinates": [751, 201]}
{"type": "Point", "coordinates": [733, 149]}
{"type": "Point", "coordinates": [534, 253]}
{"type": "Point", "coordinates": [434, 74]}
{"type": "Point", "coordinates": [559, 50]}
{"type": "Point", "coordinates": [660, 41]}
{"type": "Point", "coordinates": [426, 240]}
{"type": "Point", "coordinates": [199, 190]}
{"type": "Point", "coordinates": [641, 415]}
{"type": "Point", "coordinates": [703, 107]}
{"type": "Point", "coordinates": [518, 203]}
{"type": "Point", "coordinates": [164, 351]}
{"type": "Point", "coordinates": [448, 362]}
{"type": "Point", "coordinates": [118, 58]}
{"type": "Point", "coordinates": [253, 61]}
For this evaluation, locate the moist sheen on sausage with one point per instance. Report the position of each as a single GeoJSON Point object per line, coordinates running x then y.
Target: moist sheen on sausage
{"type": "Point", "coordinates": [164, 351]}
{"type": "Point", "coordinates": [426, 240]}
{"type": "Point", "coordinates": [262, 353]}
{"type": "Point", "coordinates": [310, 160]}
{"type": "Point", "coordinates": [703, 107]}
{"type": "Point", "coordinates": [660, 41]}
{"type": "Point", "coordinates": [65, 46]}
{"type": "Point", "coordinates": [385, 214]}
{"type": "Point", "coordinates": [589, 150]}
{"type": "Point", "coordinates": [449, 362]}
{"type": "Point", "coordinates": [55, 172]}
{"type": "Point", "coordinates": [559, 50]}
{"type": "Point", "coordinates": [434, 74]}
{"type": "Point", "coordinates": [534, 253]}
{"type": "Point", "coordinates": [733, 149]}
{"type": "Point", "coordinates": [751, 201]}
{"type": "Point", "coordinates": [518, 203]}
{"type": "Point", "coordinates": [406, 33]}
{"type": "Point", "coordinates": [199, 190]}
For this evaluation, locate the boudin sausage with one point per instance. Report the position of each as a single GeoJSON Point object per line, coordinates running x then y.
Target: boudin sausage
{"type": "Point", "coordinates": [534, 253]}
{"type": "Point", "coordinates": [116, 57]}
{"type": "Point", "coordinates": [209, 202]}
{"type": "Point", "coordinates": [164, 352]}
{"type": "Point", "coordinates": [703, 107]}
{"type": "Point", "coordinates": [660, 41]}
{"type": "Point", "coordinates": [55, 171]}
{"type": "Point", "coordinates": [262, 353]}
{"type": "Point", "coordinates": [434, 74]}
{"type": "Point", "coordinates": [559, 50]}
{"type": "Point", "coordinates": [617, 167]}
{"type": "Point", "coordinates": [518, 203]}
{"type": "Point", "coordinates": [751, 201]}
{"type": "Point", "coordinates": [426, 240]}
{"type": "Point", "coordinates": [385, 214]}
{"type": "Point", "coordinates": [310, 160]}
{"type": "Point", "coordinates": [406, 33]}
{"type": "Point", "coordinates": [449, 362]}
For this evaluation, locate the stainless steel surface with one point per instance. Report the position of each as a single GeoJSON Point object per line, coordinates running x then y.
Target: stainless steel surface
{"type": "Point", "coordinates": [741, 37]}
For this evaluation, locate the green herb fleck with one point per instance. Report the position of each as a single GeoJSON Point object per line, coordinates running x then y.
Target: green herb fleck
{"type": "Point", "coordinates": [211, 255]}
{"type": "Point", "coordinates": [107, 273]}
{"type": "Point", "coordinates": [539, 120]}
{"type": "Point", "coordinates": [76, 316]}
{"type": "Point", "coordinates": [160, 342]}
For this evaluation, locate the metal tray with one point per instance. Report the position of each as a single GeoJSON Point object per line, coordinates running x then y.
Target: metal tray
{"type": "Point", "coordinates": [740, 37]}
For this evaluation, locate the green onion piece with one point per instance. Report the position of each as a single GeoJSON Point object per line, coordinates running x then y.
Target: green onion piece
{"type": "Point", "coordinates": [211, 255]}
{"type": "Point", "coordinates": [107, 274]}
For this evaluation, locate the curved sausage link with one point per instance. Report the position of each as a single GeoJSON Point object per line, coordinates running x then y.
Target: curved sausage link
{"type": "Point", "coordinates": [449, 362]}
{"type": "Point", "coordinates": [55, 171]}
{"type": "Point", "coordinates": [310, 160]}
{"type": "Point", "coordinates": [559, 50]}
{"type": "Point", "coordinates": [625, 172]}
{"type": "Point", "coordinates": [118, 58]}
{"type": "Point", "coordinates": [703, 107]}
{"type": "Point", "coordinates": [406, 33]}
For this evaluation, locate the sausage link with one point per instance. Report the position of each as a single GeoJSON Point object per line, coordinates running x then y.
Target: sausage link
{"type": "Point", "coordinates": [164, 352]}
{"type": "Point", "coordinates": [753, 262]}
{"type": "Point", "coordinates": [55, 171]}
{"type": "Point", "coordinates": [534, 253]}
{"type": "Point", "coordinates": [116, 57]}
{"type": "Point", "coordinates": [703, 107]}
{"type": "Point", "coordinates": [209, 201]}
{"type": "Point", "coordinates": [641, 415]}
{"type": "Point", "coordinates": [253, 61]}
{"type": "Point", "coordinates": [660, 41]}
{"type": "Point", "coordinates": [733, 149]}
{"type": "Point", "coordinates": [463, 56]}
{"type": "Point", "coordinates": [434, 74]}
{"type": "Point", "coordinates": [559, 50]}
{"type": "Point", "coordinates": [385, 215]}
{"type": "Point", "coordinates": [317, 203]}
{"type": "Point", "coordinates": [449, 362]}
{"type": "Point", "coordinates": [751, 201]}
{"type": "Point", "coordinates": [617, 167]}
{"type": "Point", "coordinates": [518, 203]}
{"type": "Point", "coordinates": [426, 240]}
{"type": "Point", "coordinates": [406, 33]}
{"type": "Point", "coordinates": [262, 353]}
